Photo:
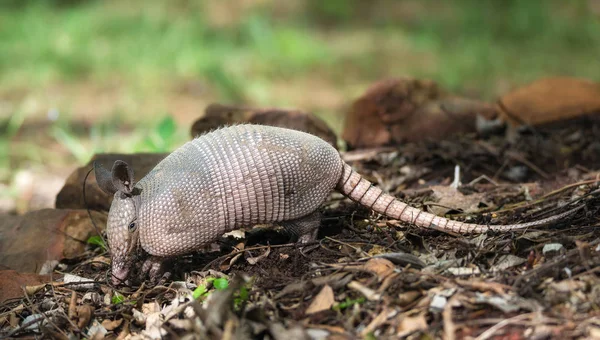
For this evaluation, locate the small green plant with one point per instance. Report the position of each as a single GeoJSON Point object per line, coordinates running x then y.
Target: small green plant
{"type": "Point", "coordinates": [199, 292]}
{"type": "Point", "coordinates": [97, 241]}
{"type": "Point", "coordinates": [219, 283]}
{"type": "Point", "coordinates": [164, 137]}
{"type": "Point", "coordinates": [370, 336]}
{"type": "Point", "coordinates": [117, 298]}
{"type": "Point", "coordinates": [242, 296]}
{"type": "Point", "coordinates": [120, 298]}
{"type": "Point", "coordinates": [348, 303]}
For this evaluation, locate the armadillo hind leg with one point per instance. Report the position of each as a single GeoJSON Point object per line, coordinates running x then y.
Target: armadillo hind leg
{"type": "Point", "coordinates": [305, 228]}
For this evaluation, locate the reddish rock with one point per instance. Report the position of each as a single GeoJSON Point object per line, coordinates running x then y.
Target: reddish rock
{"type": "Point", "coordinates": [71, 195]}
{"type": "Point", "coordinates": [400, 110]}
{"type": "Point", "coordinates": [11, 283]}
{"type": "Point", "coordinates": [385, 103]}
{"type": "Point", "coordinates": [28, 241]}
{"type": "Point", "coordinates": [439, 119]}
{"type": "Point", "coordinates": [550, 100]}
{"type": "Point", "coordinates": [217, 115]}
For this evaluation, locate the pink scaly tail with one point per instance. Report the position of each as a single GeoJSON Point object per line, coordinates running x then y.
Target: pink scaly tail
{"type": "Point", "coordinates": [360, 190]}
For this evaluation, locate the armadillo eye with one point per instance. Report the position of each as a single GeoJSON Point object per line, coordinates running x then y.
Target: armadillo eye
{"type": "Point", "coordinates": [131, 226]}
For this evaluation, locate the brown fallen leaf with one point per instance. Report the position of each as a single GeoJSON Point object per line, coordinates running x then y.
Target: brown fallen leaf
{"type": "Point", "coordinates": [406, 298]}
{"type": "Point", "coordinates": [380, 267]}
{"type": "Point", "coordinates": [379, 320]}
{"type": "Point", "coordinates": [73, 306]}
{"type": "Point", "coordinates": [335, 280]}
{"type": "Point", "coordinates": [484, 286]}
{"type": "Point", "coordinates": [367, 292]}
{"type": "Point", "coordinates": [254, 260]}
{"type": "Point", "coordinates": [84, 315]}
{"type": "Point", "coordinates": [402, 259]}
{"type": "Point", "coordinates": [125, 331]}
{"type": "Point", "coordinates": [30, 290]}
{"type": "Point", "coordinates": [448, 199]}
{"type": "Point", "coordinates": [410, 324]}
{"type": "Point", "coordinates": [293, 287]}
{"type": "Point", "coordinates": [111, 325]}
{"type": "Point", "coordinates": [337, 331]}
{"type": "Point", "coordinates": [230, 261]}
{"type": "Point", "coordinates": [13, 321]}
{"type": "Point", "coordinates": [323, 301]}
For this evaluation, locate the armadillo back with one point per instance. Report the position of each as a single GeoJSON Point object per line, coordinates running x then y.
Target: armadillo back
{"type": "Point", "coordinates": [236, 176]}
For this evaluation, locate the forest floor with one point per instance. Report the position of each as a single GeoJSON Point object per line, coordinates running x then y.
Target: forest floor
{"type": "Point", "coordinates": [369, 276]}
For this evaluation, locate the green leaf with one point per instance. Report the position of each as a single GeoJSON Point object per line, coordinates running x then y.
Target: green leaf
{"type": "Point", "coordinates": [220, 283]}
{"type": "Point", "coordinates": [97, 241]}
{"type": "Point", "coordinates": [244, 295]}
{"type": "Point", "coordinates": [370, 336]}
{"type": "Point", "coordinates": [348, 303]}
{"type": "Point", "coordinates": [117, 298]}
{"type": "Point", "coordinates": [166, 128]}
{"type": "Point", "coordinates": [240, 297]}
{"type": "Point", "coordinates": [199, 292]}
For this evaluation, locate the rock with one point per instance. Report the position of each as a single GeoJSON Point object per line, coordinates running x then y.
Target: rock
{"type": "Point", "coordinates": [549, 100]}
{"type": "Point", "coordinates": [384, 103]}
{"type": "Point", "coordinates": [217, 115]}
{"type": "Point", "coordinates": [551, 250]}
{"type": "Point", "coordinates": [28, 241]}
{"type": "Point", "coordinates": [71, 195]}
{"type": "Point", "coordinates": [398, 110]}
{"type": "Point", "coordinates": [296, 120]}
{"type": "Point", "coordinates": [11, 282]}
{"type": "Point", "coordinates": [440, 119]}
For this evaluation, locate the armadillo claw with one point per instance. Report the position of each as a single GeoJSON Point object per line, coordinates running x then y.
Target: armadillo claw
{"type": "Point", "coordinates": [155, 268]}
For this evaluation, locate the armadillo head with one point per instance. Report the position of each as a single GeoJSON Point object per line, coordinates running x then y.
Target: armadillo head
{"type": "Point", "coordinates": [122, 228]}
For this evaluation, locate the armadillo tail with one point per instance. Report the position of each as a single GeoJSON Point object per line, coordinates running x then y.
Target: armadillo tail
{"type": "Point", "coordinates": [360, 190]}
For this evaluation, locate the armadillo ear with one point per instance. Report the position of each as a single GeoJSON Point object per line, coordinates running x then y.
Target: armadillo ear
{"type": "Point", "coordinates": [122, 177]}
{"type": "Point", "coordinates": [104, 179]}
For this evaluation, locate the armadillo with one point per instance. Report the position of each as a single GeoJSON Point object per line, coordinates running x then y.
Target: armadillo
{"type": "Point", "coordinates": [238, 176]}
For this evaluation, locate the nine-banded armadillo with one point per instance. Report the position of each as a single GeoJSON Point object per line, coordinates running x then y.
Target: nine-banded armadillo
{"type": "Point", "coordinates": [240, 176]}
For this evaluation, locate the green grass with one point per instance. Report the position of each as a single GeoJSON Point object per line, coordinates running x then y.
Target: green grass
{"type": "Point", "coordinates": [477, 43]}
{"type": "Point", "coordinates": [512, 40]}
{"type": "Point", "coordinates": [98, 41]}
{"type": "Point", "coordinates": [264, 56]}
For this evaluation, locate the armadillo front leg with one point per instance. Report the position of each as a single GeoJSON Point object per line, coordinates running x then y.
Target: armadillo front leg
{"type": "Point", "coordinates": [305, 228]}
{"type": "Point", "coordinates": [156, 268]}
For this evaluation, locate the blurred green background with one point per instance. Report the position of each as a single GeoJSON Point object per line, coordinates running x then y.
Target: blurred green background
{"type": "Point", "coordinates": [82, 76]}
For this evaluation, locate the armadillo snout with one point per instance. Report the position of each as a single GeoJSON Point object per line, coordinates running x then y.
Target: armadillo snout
{"type": "Point", "coordinates": [119, 275]}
